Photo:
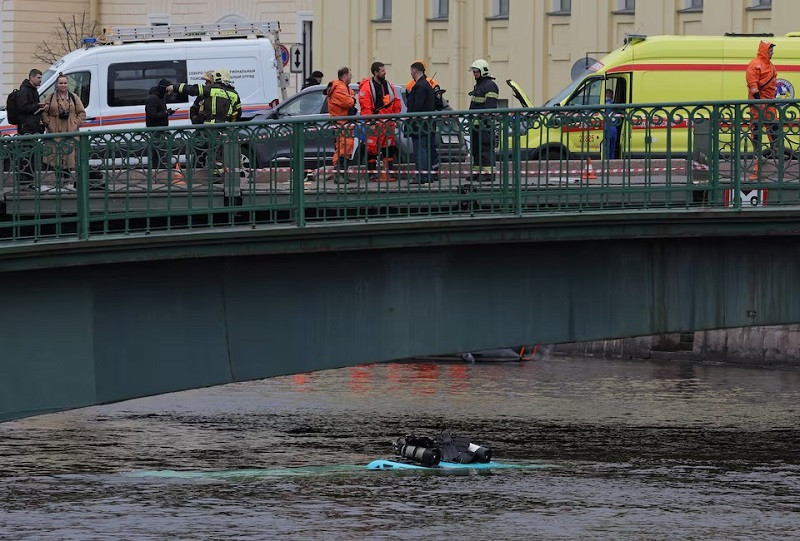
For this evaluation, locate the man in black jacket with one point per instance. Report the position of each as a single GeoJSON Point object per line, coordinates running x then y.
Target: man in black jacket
{"type": "Point", "coordinates": [30, 111]}
{"type": "Point", "coordinates": [157, 115]}
{"type": "Point", "coordinates": [421, 99]}
{"type": "Point", "coordinates": [315, 79]}
{"type": "Point", "coordinates": [28, 104]}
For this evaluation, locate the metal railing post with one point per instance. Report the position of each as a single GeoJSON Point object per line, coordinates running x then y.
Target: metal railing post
{"type": "Point", "coordinates": [298, 173]}
{"type": "Point", "coordinates": [516, 157]}
{"type": "Point", "coordinates": [83, 186]}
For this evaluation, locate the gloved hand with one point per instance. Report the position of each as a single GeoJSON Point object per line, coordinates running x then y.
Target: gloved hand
{"type": "Point", "coordinates": [170, 111]}
{"type": "Point", "coordinates": [757, 95]}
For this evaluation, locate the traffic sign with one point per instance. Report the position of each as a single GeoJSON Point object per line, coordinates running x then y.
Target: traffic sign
{"type": "Point", "coordinates": [284, 55]}
{"type": "Point", "coordinates": [296, 58]}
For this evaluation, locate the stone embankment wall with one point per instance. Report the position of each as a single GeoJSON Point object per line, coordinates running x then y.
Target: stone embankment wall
{"type": "Point", "coordinates": [778, 345]}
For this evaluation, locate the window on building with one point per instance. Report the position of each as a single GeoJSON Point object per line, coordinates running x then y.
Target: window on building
{"type": "Point", "coordinates": [691, 5]}
{"type": "Point", "coordinates": [129, 83]}
{"type": "Point", "coordinates": [441, 9]}
{"type": "Point", "coordinates": [562, 6]}
{"type": "Point", "coordinates": [500, 8]}
{"type": "Point", "coordinates": [627, 5]}
{"type": "Point", "coordinates": [762, 4]}
{"type": "Point", "coordinates": [383, 10]}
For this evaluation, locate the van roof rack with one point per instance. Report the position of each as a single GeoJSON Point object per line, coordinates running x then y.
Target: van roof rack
{"type": "Point", "coordinates": [737, 35]}
{"type": "Point", "coordinates": [134, 34]}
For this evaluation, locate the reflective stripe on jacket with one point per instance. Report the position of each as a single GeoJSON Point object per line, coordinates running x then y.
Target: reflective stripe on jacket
{"type": "Point", "coordinates": [485, 94]}
{"type": "Point", "coordinates": [222, 104]}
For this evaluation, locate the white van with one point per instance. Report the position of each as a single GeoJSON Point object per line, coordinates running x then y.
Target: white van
{"type": "Point", "coordinates": [114, 77]}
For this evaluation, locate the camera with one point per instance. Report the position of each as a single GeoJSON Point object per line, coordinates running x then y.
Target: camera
{"type": "Point", "coordinates": [63, 115]}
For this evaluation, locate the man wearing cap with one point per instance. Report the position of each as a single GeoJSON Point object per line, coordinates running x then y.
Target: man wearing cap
{"type": "Point", "coordinates": [157, 115]}
{"type": "Point", "coordinates": [762, 82]}
{"type": "Point", "coordinates": [315, 79]}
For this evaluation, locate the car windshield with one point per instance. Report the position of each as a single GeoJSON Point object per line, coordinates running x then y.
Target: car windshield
{"type": "Point", "coordinates": [558, 98]}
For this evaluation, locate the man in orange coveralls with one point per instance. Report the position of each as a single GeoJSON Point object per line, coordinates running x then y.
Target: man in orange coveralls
{"type": "Point", "coordinates": [342, 102]}
{"type": "Point", "coordinates": [762, 81]}
{"type": "Point", "coordinates": [378, 96]}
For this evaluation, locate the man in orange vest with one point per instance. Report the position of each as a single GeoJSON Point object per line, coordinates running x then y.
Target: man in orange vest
{"type": "Point", "coordinates": [378, 96]}
{"type": "Point", "coordinates": [762, 82]}
{"type": "Point", "coordinates": [342, 102]}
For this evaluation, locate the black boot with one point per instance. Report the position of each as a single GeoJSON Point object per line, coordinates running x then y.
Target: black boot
{"type": "Point", "coordinates": [341, 172]}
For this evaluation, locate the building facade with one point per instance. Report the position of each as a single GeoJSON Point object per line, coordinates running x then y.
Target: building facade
{"type": "Point", "coordinates": [534, 42]}
{"type": "Point", "coordinates": [25, 23]}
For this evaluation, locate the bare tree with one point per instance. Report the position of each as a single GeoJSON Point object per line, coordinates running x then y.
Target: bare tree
{"type": "Point", "coordinates": [67, 36]}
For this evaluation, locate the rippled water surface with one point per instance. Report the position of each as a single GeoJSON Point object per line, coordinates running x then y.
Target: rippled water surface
{"type": "Point", "coordinates": [628, 450]}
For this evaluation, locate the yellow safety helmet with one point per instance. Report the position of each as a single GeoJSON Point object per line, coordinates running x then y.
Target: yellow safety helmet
{"type": "Point", "coordinates": [222, 76]}
{"type": "Point", "coordinates": [482, 66]}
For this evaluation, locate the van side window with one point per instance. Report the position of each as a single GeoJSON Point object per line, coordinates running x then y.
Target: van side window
{"type": "Point", "coordinates": [129, 83]}
{"type": "Point", "coordinates": [588, 93]}
{"type": "Point", "coordinates": [79, 83]}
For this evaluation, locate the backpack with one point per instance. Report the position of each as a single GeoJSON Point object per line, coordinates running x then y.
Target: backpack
{"type": "Point", "coordinates": [12, 114]}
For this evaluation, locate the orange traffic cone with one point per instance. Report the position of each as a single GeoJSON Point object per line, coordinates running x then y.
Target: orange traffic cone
{"type": "Point", "coordinates": [588, 171]}
{"type": "Point", "coordinates": [177, 176]}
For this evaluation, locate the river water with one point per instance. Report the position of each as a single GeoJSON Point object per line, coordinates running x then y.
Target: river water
{"type": "Point", "coordinates": [621, 449]}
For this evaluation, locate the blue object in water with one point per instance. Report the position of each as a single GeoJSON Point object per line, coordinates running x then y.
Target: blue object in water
{"type": "Point", "coordinates": [394, 465]}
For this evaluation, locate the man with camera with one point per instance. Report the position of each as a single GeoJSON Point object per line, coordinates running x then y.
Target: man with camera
{"type": "Point", "coordinates": [157, 115]}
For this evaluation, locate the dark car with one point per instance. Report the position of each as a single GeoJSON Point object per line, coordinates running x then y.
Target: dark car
{"type": "Point", "coordinates": [274, 146]}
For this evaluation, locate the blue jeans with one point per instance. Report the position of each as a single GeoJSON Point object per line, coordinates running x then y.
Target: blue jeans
{"type": "Point", "coordinates": [423, 147]}
{"type": "Point", "coordinates": [610, 141]}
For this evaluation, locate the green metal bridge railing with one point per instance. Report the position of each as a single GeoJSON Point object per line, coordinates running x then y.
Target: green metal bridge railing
{"type": "Point", "coordinates": [504, 162]}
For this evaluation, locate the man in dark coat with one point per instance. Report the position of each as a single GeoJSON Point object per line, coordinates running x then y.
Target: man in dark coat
{"type": "Point", "coordinates": [314, 79]}
{"type": "Point", "coordinates": [157, 115]}
{"type": "Point", "coordinates": [29, 111]}
{"type": "Point", "coordinates": [28, 104]}
{"type": "Point", "coordinates": [421, 99]}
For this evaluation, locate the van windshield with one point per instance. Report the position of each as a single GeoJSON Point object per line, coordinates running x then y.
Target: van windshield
{"type": "Point", "coordinates": [558, 98]}
{"type": "Point", "coordinates": [49, 73]}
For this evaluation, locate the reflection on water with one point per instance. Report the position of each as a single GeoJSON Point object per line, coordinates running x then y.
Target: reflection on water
{"type": "Point", "coordinates": [640, 449]}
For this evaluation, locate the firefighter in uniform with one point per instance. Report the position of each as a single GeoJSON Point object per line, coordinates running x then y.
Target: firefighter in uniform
{"type": "Point", "coordinates": [377, 96]}
{"type": "Point", "coordinates": [483, 96]}
{"type": "Point", "coordinates": [197, 113]}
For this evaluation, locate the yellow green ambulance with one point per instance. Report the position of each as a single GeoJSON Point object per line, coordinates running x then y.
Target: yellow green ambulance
{"type": "Point", "coordinates": [656, 69]}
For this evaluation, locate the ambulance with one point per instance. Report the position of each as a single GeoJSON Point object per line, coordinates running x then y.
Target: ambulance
{"type": "Point", "coordinates": [113, 74]}
{"type": "Point", "coordinates": [657, 69]}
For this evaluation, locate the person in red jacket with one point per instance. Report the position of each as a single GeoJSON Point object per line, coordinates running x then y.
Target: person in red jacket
{"type": "Point", "coordinates": [762, 82]}
{"type": "Point", "coordinates": [378, 96]}
{"type": "Point", "coordinates": [342, 102]}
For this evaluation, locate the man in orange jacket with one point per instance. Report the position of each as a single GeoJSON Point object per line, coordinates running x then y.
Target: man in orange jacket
{"type": "Point", "coordinates": [342, 102]}
{"type": "Point", "coordinates": [378, 96]}
{"type": "Point", "coordinates": [762, 82]}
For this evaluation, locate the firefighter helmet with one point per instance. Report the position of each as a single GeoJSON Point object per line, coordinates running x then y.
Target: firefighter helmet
{"type": "Point", "coordinates": [222, 76]}
{"type": "Point", "coordinates": [482, 66]}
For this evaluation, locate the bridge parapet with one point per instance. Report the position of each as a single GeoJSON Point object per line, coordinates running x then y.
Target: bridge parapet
{"type": "Point", "coordinates": [507, 162]}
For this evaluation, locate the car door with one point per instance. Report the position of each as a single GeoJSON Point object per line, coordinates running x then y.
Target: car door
{"type": "Point", "coordinates": [318, 134]}
{"type": "Point", "coordinates": [582, 131]}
